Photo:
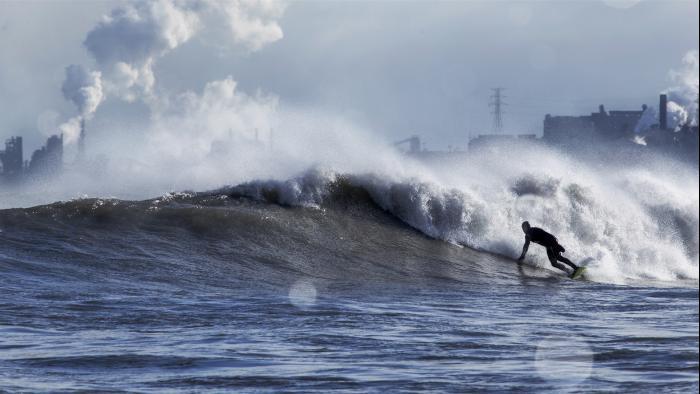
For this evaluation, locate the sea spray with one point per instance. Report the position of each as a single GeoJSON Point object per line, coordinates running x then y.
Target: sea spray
{"type": "Point", "coordinates": [628, 223]}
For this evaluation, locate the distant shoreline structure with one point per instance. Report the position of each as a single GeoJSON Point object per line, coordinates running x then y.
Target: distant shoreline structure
{"type": "Point", "coordinates": [602, 129]}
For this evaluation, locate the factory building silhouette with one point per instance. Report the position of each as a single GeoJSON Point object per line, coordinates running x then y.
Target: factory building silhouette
{"type": "Point", "coordinates": [45, 162]}
{"type": "Point", "coordinates": [571, 131]}
{"type": "Point", "coordinates": [49, 159]}
{"type": "Point", "coordinates": [605, 125]}
{"type": "Point", "coordinates": [619, 127]}
{"type": "Point", "coordinates": [615, 129]}
{"type": "Point", "coordinates": [11, 159]}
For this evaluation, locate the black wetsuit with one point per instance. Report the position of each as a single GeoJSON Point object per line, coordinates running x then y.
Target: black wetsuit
{"type": "Point", "coordinates": [539, 236]}
{"type": "Point", "coordinates": [549, 241]}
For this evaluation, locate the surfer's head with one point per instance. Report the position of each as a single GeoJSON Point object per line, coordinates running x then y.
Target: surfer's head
{"type": "Point", "coordinates": [526, 226]}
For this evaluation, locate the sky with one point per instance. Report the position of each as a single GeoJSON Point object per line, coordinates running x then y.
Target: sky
{"type": "Point", "coordinates": [393, 68]}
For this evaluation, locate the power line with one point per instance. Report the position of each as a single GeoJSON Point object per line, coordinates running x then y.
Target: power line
{"type": "Point", "coordinates": [497, 104]}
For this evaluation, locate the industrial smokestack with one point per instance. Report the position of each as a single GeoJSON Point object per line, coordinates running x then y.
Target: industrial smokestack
{"type": "Point", "coordinates": [81, 140]}
{"type": "Point", "coordinates": [663, 110]}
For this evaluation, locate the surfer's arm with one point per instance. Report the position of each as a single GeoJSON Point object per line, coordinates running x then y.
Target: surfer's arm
{"type": "Point", "coordinates": [527, 245]}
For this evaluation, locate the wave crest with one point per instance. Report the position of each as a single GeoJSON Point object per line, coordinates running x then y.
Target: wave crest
{"type": "Point", "coordinates": [617, 232]}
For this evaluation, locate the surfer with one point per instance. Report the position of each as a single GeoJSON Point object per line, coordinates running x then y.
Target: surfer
{"type": "Point", "coordinates": [554, 250]}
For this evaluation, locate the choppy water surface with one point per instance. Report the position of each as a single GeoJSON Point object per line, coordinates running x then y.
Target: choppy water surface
{"type": "Point", "coordinates": [223, 293]}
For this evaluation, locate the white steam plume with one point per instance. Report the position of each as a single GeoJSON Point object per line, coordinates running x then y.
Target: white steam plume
{"type": "Point", "coordinates": [682, 105]}
{"type": "Point", "coordinates": [683, 96]}
{"type": "Point", "coordinates": [678, 115]}
{"type": "Point", "coordinates": [127, 43]}
{"type": "Point", "coordinates": [84, 89]}
{"type": "Point", "coordinates": [70, 130]}
{"type": "Point", "coordinates": [253, 24]}
{"type": "Point", "coordinates": [189, 126]}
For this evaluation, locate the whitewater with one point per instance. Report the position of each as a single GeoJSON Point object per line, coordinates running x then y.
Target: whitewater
{"type": "Point", "coordinates": [628, 217]}
{"type": "Point", "coordinates": [633, 224]}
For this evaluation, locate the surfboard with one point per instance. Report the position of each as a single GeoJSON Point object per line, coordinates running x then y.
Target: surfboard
{"type": "Point", "coordinates": [577, 274]}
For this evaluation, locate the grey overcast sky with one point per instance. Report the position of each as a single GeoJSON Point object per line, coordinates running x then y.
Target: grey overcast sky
{"type": "Point", "coordinates": [396, 68]}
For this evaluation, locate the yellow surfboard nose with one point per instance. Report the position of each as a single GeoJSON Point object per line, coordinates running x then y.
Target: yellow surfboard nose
{"type": "Point", "coordinates": [578, 272]}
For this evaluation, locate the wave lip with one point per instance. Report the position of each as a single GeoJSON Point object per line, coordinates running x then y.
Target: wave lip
{"type": "Point", "coordinates": [626, 225]}
{"type": "Point", "coordinates": [620, 235]}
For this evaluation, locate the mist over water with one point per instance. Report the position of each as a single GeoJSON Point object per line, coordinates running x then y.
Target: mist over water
{"type": "Point", "coordinates": [626, 217]}
{"type": "Point", "coordinates": [626, 220]}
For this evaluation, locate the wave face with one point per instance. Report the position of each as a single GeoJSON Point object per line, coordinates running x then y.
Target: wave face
{"type": "Point", "coordinates": [629, 226]}
{"type": "Point", "coordinates": [211, 240]}
{"type": "Point", "coordinates": [350, 222]}
{"type": "Point", "coordinates": [632, 220]}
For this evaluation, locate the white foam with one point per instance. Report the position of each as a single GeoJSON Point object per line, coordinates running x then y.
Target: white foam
{"type": "Point", "coordinates": [627, 222]}
{"type": "Point", "coordinates": [634, 220]}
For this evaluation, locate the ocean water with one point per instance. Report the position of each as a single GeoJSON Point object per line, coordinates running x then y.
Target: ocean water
{"type": "Point", "coordinates": [329, 282]}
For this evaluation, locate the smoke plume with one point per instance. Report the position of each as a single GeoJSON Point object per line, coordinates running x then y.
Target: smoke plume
{"type": "Point", "coordinates": [252, 24]}
{"type": "Point", "coordinates": [190, 126]}
{"type": "Point", "coordinates": [128, 42]}
{"type": "Point", "coordinates": [683, 96]}
{"type": "Point", "coordinates": [682, 107]}
{"type": "Point", "coordinates": [83, 88]}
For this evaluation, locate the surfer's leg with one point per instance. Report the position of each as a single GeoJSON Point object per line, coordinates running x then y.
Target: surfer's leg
{"type": "Point", "coordinates": [567, 262]}
{"type": "Point", "coordinates": [553, 260]}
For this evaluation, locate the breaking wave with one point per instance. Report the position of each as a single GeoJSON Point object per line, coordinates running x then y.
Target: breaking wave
{"type": "Point", "coordinates": [627, 223]}
{"type": "Point", "coordinates": [638, 227]}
